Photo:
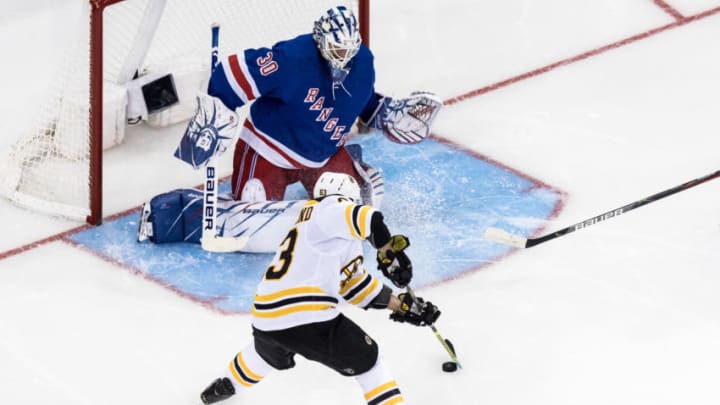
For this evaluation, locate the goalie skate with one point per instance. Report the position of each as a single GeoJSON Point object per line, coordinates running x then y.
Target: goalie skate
{"type": "Point", "coordinates": [145, 230]}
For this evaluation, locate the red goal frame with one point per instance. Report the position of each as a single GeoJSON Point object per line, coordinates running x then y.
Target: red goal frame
{"type": "Point", "coordinates": [96, 97]}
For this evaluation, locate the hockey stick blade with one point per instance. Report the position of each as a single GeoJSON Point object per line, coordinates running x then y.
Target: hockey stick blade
{"type": "Point", "coordinates": [506, 238]}
{"type": "Point", "coordinates": [444, 342]}
{"type": "Point", "coordinates": [218, 244]}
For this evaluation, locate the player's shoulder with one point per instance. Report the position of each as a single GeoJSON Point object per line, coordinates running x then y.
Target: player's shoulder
{"type": "Point", "coordinates": [337, 205]}
{"type": "Point", "coordinates": [340, 217]}
{"type": "Point", "coordinates": [346, 209]}
{"type": "Point", "coordinates": [364, 52]}
{"type": "Point", "coordinates": [334, 202]}
{"type": "Point", "coordinates": [299, 47]}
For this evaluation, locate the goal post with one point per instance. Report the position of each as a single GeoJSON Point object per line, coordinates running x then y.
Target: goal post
{"type": "Point", "coordinates": [138, 62]}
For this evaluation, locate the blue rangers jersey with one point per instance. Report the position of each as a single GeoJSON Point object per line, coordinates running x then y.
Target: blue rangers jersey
{"type": "Point", "coordinates": [299, 117]}
{"type": "Point", "coordinates": [318, 265]}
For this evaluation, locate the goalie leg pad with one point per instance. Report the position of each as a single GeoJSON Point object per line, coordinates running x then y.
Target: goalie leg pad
{"type": "Point", "coordinates": [145, 226]}
{"type": "Point", "coordinates": [176, 216]}
{"type": "Point", "coordinates": [248, 164]}
{"type": "Point", "coordinates": [372, 188]}
{"type": "Point", "coordinates": [167, 224]}
{"type": "Point", "coordinates": [253, 191]}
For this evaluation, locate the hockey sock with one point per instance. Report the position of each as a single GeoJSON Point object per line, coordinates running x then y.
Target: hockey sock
{"type": "Point", "coordinates": [247, 368]}
{"type": "Point", "coordinates": [379, 386]}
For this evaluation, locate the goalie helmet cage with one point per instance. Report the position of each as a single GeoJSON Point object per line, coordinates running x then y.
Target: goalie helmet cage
{"type": "Point", "coordinates": [56, 167]}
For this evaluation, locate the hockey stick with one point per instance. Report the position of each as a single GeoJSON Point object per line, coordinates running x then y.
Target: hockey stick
{"type": "Point", "coordinates": [444, 342]}
{"type": "Point", "coordinates": [210, 241]}
{"type": "Point", "coordinates": [501, 236]}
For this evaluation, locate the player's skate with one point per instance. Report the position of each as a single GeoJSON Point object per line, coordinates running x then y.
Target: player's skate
{"type": "Point", "coordinates": [145, 230]}
{"type": "Point", "coordinates": [220, 389]}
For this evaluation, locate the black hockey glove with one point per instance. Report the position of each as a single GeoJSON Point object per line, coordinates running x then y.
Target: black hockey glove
{"type": "Point", "coordinates": [395, 264]}
{"type": "Point", "coordinates": [417, 312]}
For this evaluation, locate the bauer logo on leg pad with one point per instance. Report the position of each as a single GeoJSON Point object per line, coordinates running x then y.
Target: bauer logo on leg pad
{"type": "Point", "coordinates": [210, 193]}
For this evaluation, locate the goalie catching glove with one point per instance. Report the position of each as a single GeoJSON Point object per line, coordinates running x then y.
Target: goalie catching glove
{"type": "Point", "coordinates": [406, 120]}
{"type": "Point", "coordinates": [415, 311]}
{"type": "Point", "coordinates": [394, 263]}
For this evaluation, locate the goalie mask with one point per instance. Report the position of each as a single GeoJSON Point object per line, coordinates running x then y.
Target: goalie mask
{"type": "Point", "coordinates": [337, 37]}
{"type": "Point", "coordinates": [331, 183]}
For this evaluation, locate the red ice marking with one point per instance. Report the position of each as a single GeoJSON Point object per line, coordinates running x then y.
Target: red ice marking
{"type": "Point", "coordinates": [62, 236]}
{"type": "Point", "coordinates": [559, 204]}
{"type": "Point", "coordinates": [65, 236]}
{"type": "Point", "coordinates": [536, 183]}
{"type": "Point", "coordinates": [582, 56]}
{"type": "Point", "coordinates": [38, 243]}
{"type": "Point", "coordinates": [669, 9]}
{"type": "Point", "coordinates": [680, 21]}
{"type": "Point", "coordinates": [208, 303]}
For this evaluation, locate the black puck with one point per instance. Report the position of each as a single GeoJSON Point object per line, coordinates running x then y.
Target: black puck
{"type": "Point", "coordinates": [449, 366]}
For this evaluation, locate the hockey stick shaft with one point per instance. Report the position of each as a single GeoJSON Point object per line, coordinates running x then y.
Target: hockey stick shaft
{"type": "Point", "coordinates": [210, 240]}
{"type": "Point", "coordinates": [501, 236]}
{"type": "Point", "coordinates": [442, 340]}
{"type": "Point", "coordinates": [215, 42]}
{"type": "Point", "coordinates": [209, 229]}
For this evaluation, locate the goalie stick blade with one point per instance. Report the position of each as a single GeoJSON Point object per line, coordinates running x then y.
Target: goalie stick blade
{"type": "Point", "coordinates": [223, 245]}
{"type": "Point", "coordinates": [504, 237]}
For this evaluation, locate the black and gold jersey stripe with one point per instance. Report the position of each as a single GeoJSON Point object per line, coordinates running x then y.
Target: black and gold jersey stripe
{"type": "Point", "coordinates": [356, 217]}
{"type": "Point", "coordinates": [291, 301]}
{"type": "Point", "coordinates": [358, 288]}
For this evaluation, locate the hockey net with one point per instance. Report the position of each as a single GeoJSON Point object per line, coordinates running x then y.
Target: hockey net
{"type": "Point", "coordinates": [55, 166]}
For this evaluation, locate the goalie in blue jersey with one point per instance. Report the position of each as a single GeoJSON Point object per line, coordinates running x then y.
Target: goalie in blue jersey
{"type": "Point", "coordinates": [306, 94]}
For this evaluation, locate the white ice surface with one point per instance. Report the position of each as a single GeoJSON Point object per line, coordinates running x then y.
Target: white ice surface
{"type": "Point", "coordinates": [624, 312]}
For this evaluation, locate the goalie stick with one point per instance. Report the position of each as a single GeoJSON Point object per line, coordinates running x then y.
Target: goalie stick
{"type": "Point", "coordinates": [504, 237]}
{"type": "Point", "coordinates": [210, 241]}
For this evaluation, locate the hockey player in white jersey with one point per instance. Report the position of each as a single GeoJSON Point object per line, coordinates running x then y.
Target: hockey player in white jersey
{"type": "Point", "coordinates": [318, 264]}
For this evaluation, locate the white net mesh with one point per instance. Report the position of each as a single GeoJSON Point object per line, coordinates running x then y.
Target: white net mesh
{"type": "Point", "coordinates": [48, 167]}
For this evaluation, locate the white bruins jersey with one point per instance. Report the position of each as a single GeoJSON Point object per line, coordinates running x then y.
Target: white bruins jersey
{"type": "Point", "coordinates": [319, 263]}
